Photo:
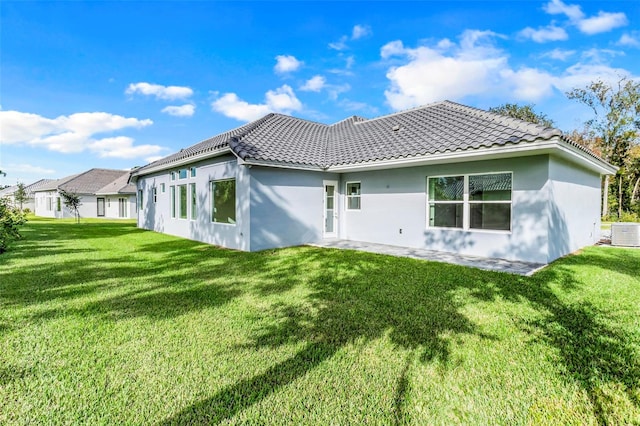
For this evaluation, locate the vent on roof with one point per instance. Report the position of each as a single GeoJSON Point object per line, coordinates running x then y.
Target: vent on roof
{"type": "Point", "coordinates": [395, 128]}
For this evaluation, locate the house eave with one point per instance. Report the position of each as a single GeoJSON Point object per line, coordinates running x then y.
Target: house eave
{"type": "Point", "coordinates": [552, 146]}
{"type": "Point", "coordinates": [181, 162]}
{"type": "Point", "coordinates": [280, 165]}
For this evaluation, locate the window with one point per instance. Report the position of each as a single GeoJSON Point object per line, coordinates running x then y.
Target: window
{"type": "Point", "coordinates": [182, 174]}
{"type": "Point", "coordinates": [173, 175]}
{"type": "Point", "coordinates": [173, 201]}
{"type": "Point", "coordinates": [480, 201]}
{"type": "Point", "coordinates": [446, 201]}
{"type": "Point", "coordinates": [193, 172]}
{"type": "Point", "coordinates": [223, 201]}
{"type": "Point", "coordinates": [122, 207]}
{"type": "Point", "coordinates": [490, 201]}
{"type": "Point", "coordinates": [162, 188]}
{"type": "Point", "coordinates": [59, 204]}
{"type": "Point", "coordinates": [192, 187]}
{"type": "Point", "coordinates": [183, 201]}
{"type": "Point", "coordinates": [155, 194]}
{"type": "Point", "coordinates": [353, 195]}
{"type": "Point", "coordinates": [108, 202]}
{"type": "Point", "coordinates": [49, 204]}
{"type": "Point", "coordinates": [140, 199]}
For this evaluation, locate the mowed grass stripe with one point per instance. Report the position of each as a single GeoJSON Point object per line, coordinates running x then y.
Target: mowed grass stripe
{"type": "Point", "coordinates": [103, 323]}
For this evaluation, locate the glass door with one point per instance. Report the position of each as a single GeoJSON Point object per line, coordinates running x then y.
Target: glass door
{"type": "Point", "coordinates": [330, 209]}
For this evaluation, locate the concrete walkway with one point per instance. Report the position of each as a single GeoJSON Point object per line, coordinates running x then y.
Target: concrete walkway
{"type": "Point", "coordinates": [490, 264]}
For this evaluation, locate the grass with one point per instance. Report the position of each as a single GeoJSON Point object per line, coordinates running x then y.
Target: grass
{"type": "Point", "coordinates": [103, 323]}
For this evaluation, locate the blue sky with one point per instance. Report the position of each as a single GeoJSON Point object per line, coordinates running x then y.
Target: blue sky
{"type": "Point", "coordinates": [118, 84]}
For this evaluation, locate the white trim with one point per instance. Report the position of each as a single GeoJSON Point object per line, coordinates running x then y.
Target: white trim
{"type": "Point", "coordinates": [347, 196]}
{"type": "Point", "coordinates": [191, 159]}
{"type": "Point", "coordinates": [336, 221]}
{"type": "Point", "coordinates": [467, 203]}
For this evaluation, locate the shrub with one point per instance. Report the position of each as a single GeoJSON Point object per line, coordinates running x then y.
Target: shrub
{"type": "Point", "coordinates": [10, 219]}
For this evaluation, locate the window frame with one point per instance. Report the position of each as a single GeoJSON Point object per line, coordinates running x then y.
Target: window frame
{"type": "Point", "coordinates": [186, 201]}
{"type": "Point", "coordinates": [467, 203]}
{"type": "Point", "coordinates": [154, 193]}
{"type": "Point", "coordinates": [213, 201]}
{"type": "Point", "coordinates": [192, 172]}
{"type": "Point", "coordinates": [140, 199]}
{"type": "Point", "coordinates": [172, 205]}
{"type": "Point", "coordinates": [181, 172]}
{"type": "Point", "coordinates": [350, 197]}
{"type": "Point", "coordinates": [193, 201]}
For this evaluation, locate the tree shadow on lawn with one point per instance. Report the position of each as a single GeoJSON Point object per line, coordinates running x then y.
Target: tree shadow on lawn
{"type": "Point", "coordinates": [359, 296]}
{"type": "Point", "coordinates": [352, 297]}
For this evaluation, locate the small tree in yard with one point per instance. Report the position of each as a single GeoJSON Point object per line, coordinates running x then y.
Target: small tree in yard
{"type": "Point", "coordinates": [72, 201]}
{"type": "Point", "coordinates": [20, 196]}
{"type": "Point", "coordinates": [10, 219]}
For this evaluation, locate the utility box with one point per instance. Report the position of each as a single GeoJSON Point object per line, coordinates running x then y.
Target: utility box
{"type": "Point", "coordinates": [625, 234]}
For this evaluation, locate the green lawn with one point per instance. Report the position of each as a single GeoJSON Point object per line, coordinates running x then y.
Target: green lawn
{"type": "Point", "coordinates": [103, 323]}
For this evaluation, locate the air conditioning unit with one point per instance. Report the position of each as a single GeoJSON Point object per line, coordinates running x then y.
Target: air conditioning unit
{"type": "Point", "coordinates": [625, 234]}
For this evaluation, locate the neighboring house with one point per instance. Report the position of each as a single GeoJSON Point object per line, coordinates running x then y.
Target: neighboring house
{"type": "Point", "coordinates": [49, 203]}
{"type": "Point", "coordinates": [119, 198]}
{"type": "Point", "coordinates": [443, 177]}
{"type": "Point", "coordinates": [9, 193]}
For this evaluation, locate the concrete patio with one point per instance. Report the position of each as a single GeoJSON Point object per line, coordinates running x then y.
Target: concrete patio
{"type": "Point", "coordinates": [489, 264]}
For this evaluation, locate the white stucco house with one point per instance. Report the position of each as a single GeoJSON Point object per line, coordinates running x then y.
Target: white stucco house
{"type": "Point", "coordinates": [101, 191]}
{"type": "Point", "coordinates": [30, 202]}
{"type": "Point", "coordinates": [443, 177]}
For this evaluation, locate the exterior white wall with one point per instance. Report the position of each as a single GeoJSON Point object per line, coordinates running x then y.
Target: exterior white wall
{"type": "Point", "coordinates": [574, 219]}
{"type": "Point", "coordinates": [112, 206]}
{"type": "Point", "coordinates": [555, 208]}
{"type": "Point", "coordinates": [41, 204]}
{"type": "Point", "coordinates": [394, 210]}
{"type": "Point", "coordinates": [287, 207]}
{"type": "Point", "coordinates": [156, 215]}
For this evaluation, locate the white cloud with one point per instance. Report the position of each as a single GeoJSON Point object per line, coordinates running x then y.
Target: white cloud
{"type": "Point", "coordinates": [186, 110]}
{"type": "Point", "coordinates": [630, 39]}
{"type": "Point", "coordinates": [360, 31]}
{"type": "Point", "coordinates": [282, 100]}
{"type": "Point", "coordinates": [314, 84]}
{"type": "Point", "coordinates": [556, 7]}
{"type": "Point", "coordinates": [559, 54]}
{"type": "Point", "coordinates": [475, 66]}
{"type": "Point", "coordinates": [28, 168]}
{"type": "Point", "coordinates": [286, 63]}
{"type": "Point", "coordinates": [544, 34]}
{"type": "Point", "coordinates": [160, 92]}
{"type": "Point", "coordinates": [122, 147]}
{"type": "Point", "coordinates": [431, 75]}
{"type": "Point", "coordinates": [602, 23]}
{"type": "Point", "coordinates": [340, 44]}
{"type": "Point", "coordinates": [73, 133]}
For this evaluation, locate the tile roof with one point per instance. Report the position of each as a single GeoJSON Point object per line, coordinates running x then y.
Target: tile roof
{"type": "Point", "coordinates": [432, 129]}
{"type": "Point", "coordinates": [29, 189]}
{"type": "Point", "coordinates": [85, 183]}
{"type": "Point", "coordinates": [119, 186]}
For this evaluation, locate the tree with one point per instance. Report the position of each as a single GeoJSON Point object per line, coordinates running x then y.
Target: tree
{"type": "Point", "coordinates": [10, 219]}
{"type": "Point", "coordinates": [616, 123]}
{"type": "Point", "coordinates": [72, 201]}
{"type": "Point", "coordinates": [20, 195]}
{"type": "Point", "coordinates": [523, 112]}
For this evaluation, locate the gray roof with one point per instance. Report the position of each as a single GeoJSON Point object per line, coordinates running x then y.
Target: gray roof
{"type": "Point", "coordinates": [85, 183]}
{"type": "Point", "coordinates": [29, 189]}
{"type": "Point", "coordinates": [432, 129]}
{"type": "Point", "coordinates": [8, 191]}
{"type": "Point", "coordinates": [119, 186]}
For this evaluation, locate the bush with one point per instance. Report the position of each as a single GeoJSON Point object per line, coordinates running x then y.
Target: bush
{"type": "Point", "coordinates": [629, 217]}
{"type": "Point", "coordinates": [10, 219]}
{"type": "Point", "coordinates": [27, 211]}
